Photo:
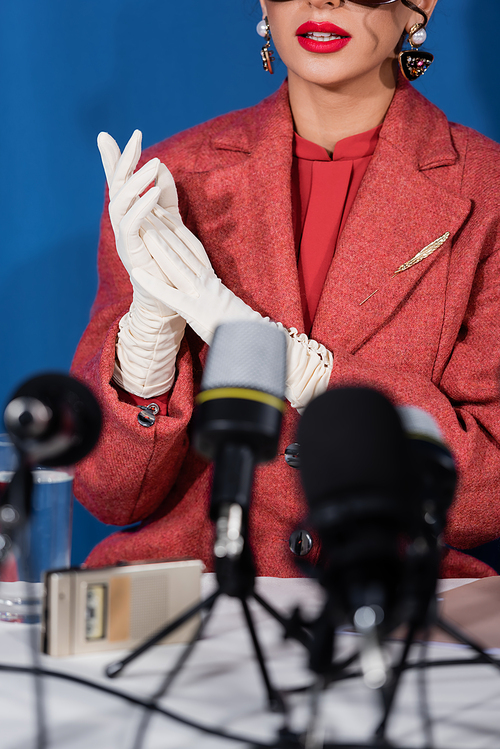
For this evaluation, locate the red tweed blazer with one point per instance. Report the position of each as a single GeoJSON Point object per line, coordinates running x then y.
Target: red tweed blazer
{"type": "Point", "coordinates": [429, 337]}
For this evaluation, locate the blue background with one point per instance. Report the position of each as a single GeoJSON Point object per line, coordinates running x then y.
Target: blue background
{"type": "Point", "coordinates": [69, 70]}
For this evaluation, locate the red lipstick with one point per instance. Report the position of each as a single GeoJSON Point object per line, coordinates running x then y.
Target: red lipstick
{"type": "Point", "coordinates": [322, 40]}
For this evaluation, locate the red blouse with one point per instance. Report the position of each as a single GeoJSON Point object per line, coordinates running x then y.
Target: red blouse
{"type": "Point", "coordinates": [323, 191]}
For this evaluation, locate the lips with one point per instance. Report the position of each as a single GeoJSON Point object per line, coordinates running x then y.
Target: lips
{"type": "Point", "coordinates": [322, 37]}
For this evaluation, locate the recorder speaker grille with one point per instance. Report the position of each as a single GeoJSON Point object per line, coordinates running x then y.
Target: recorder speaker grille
{"type": "Point", "coordinates": [150, 604]}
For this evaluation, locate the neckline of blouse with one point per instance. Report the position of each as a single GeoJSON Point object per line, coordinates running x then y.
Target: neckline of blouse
{"type": "Point", "coordinates": [353, 147]}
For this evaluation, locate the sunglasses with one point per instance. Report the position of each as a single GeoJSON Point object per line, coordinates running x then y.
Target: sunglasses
{"type": "Point", "coordinates": [375, 3]}
{"type": "Point", "coordinates": [369, 3]}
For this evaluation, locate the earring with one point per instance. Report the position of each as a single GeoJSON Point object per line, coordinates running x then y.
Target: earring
{"type": "Point", "coordinates": [266, 52]}
{"type": "Point", "coordinates": [413, 62]}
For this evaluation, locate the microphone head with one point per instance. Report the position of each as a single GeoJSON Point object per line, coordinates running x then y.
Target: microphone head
{"type": "Point", "coordinates": [53, 419]}
{"type": "Point", "coordinates": [248, 355]}
{"type": "Point", "coordinates": [435, 474]}
{"type": "Point", "coordinates": [354, 468]}
{"type": "Point", "coordinates": [351, 444]}
{"type": "Point", "coordinates": [418, 424]}
{"type": "Point", "coordinates": [243, 385]}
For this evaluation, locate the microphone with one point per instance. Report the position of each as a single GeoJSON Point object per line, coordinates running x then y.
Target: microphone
{"type": "Point", "coordinates": [435, 475]}
{"type": "Point", "coordinates": [434, 480]}
{"type": "Point", "coordinates": [53, 420]}
{"type": "Point", "coordinates": [238, 420]}
{"type": "Point", "coordinates": [355, 473]}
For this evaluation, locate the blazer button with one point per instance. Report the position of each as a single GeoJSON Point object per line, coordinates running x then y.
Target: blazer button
{"type": "Point", "coordinates": [147, 415]}
{"type": "Point", "coordinates": [292, 456]}
{"type": "Point", "coordinates": [300, 543]}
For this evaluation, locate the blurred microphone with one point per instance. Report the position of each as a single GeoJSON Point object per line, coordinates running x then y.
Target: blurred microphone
{"type": "Point", "coordinates": [53, 420]}
{"type": "Point", "coordinates": [433, 484]}
{"type": "Point", "coordinates": [355, 472]}
{"type": "Point", "coordinates": [238, 419]}
{"type": "Point", "coordinates": [435, 475]}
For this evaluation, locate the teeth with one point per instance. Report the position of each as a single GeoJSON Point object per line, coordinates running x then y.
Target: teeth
{"type": "Point", "coordinates": [322, 37]}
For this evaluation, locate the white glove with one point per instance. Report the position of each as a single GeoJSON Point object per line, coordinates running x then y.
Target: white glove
{"type": "Point", "coordinates": [204, 302]}
{"type": "Point", "coordinates": [150, 333]}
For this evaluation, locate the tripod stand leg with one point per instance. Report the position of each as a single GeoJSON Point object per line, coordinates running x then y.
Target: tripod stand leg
{"type": "Point", "coordinates": [460, 636]}
{"type": "Point", "coordinates": [185, 653]}
{"type": "Point", "coordinates": [391, 693]}
{"type": "Point", "coordinates": [292, 629]}
{"type": "Point", "coordinates": [423, 692]}
{"type": "Point", "coordinates": [167, 682]}
{"type": "Point", "coordinates": [275, 701]}
{"type": "Point", "coordinates": [115, 668]}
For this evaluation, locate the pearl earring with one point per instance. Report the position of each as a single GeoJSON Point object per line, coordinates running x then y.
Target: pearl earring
{"type": "Point", "coordinates": [266, 52]}
{"type": "Point", "coordinates": [262, 28]}
{"type": "Point", "coordinates": [413, 62]}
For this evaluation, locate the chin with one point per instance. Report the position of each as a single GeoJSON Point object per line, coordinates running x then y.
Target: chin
{"type": "Point", "coordinates": [335, 74]}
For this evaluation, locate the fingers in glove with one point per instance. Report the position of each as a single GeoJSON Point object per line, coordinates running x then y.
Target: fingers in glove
{"type": "Point", "coordinates": [127, 163]}
{"type": "Point", "coordinates": [168, 197]}
{"type": "Point", "coordinates": [172, 265]}
{"type": "Point", "coordinates": [169, 228]}
{"type": "Point", "coordinates": [186, 236]}
{"type": "Point", "coordinates": [129, 193]}
{"type": "Point", "coordinates": [154, 288]}
{"type": "Point", "coordinates": [110, 155]}
{"type": "Point", "coordinates": [130, 224]}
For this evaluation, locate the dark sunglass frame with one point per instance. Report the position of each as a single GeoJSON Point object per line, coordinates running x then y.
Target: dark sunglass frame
{"type": "Point", "coordinates": [369, 3]}
{"type": "Point", "coordinates": [376, 3]}
{"type": "Point", "coordinates": [373, 3]}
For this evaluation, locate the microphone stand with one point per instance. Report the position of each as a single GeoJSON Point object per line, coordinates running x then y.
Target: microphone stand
{"type": "Point", "coordinates": [236, 578]}
{"type": "Point", "coordinates": [15, 511]}
{"type": "Point", "coordinates": [424, 616]}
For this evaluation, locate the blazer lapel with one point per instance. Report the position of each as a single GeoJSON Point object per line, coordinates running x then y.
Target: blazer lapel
{"type": "Point", "coordinates": [399, 211]}
{"type": "Point", "coordinates": [241, 211]}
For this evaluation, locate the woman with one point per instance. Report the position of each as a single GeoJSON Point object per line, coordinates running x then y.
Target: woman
{"type": "Point", "coordinates": [384, 258]}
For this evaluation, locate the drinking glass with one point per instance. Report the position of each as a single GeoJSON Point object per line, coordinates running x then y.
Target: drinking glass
{"type": "Point", "coordinates": [44, 542]}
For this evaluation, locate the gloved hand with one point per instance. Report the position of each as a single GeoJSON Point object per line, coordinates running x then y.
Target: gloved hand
{"type": "Point", "coordinates": [150, 333]}
{"type": "Point", "coordinates": [204, 302]}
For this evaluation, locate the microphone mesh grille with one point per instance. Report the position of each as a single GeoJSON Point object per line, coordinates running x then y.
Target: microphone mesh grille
{"type": "Point", "coordinates": [419, 423]}
{"type": "Point", "coordinates": [247, 355]}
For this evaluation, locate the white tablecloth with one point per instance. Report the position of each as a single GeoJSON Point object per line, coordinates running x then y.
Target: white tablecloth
{"type": "Point", "coordinates": [221, 686]}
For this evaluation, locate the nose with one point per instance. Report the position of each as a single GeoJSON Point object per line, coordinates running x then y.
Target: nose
{"type": "Point", "coordinates": [326, 3]}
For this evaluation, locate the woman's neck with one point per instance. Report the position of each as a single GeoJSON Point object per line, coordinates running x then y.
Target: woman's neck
{"type": "Point", "coordinates": [326, 115]}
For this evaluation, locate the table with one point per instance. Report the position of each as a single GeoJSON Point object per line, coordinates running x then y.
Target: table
{"type": "Point", "coordinates": [221, 686]}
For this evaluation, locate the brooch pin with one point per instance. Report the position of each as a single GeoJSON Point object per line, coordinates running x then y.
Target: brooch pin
{"type": "Point", "coordinates": [422, 255]}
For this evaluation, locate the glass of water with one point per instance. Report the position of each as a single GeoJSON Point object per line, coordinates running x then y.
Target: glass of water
{"type": "Point", "coordinates": [43, 543]}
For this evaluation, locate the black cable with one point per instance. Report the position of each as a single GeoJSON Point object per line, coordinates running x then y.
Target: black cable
{"type": "Point", "coordinates": [336, 674]}
{"type": "Point", "coordinates": [134, 701]}
{"type": "Point", "coordinates": [477, 661]}
{"type": "Point", "coordinates": [292, 745]}
{"type": "Point", "coordinates": [219, 732]}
